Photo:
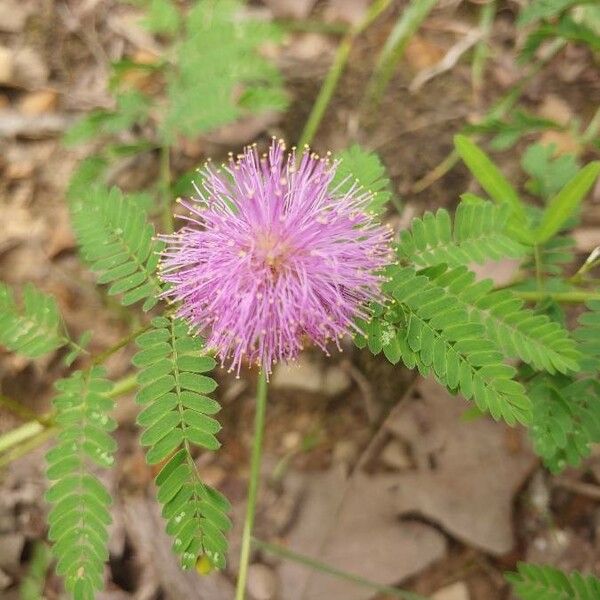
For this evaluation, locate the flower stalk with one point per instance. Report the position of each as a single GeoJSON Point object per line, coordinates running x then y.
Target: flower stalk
{"type": "Point", "coordinates": [259, 428]}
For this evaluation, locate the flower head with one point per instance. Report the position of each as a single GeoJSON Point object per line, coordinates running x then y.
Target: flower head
{"type": "Point", "coordinates": [272, 256]}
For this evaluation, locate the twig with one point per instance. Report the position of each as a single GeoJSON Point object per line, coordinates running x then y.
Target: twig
{"type": "Point", "coordinates": [579, 487]}
{"type": "Point", "coordinates": [448, 62]}
{"type": "Point", "coordinates": [322, 567]}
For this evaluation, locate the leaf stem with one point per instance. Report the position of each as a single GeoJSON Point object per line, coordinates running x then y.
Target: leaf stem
{"type": "Point", "coordinates": [259, 427]}
{"type": "Point", "coordinates": [339, 63]}
{"type": "Point", "coordinates": [317, 565]}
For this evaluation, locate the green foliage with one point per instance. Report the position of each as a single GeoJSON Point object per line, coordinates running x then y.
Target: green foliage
{"type": "Point", "coordinates": [565, 204]}
{"type": "Point", "coordinates": [118, 243]}
{"type": "Point", "coordinates": [566, 410]}
{"type": "Point", "coordinates": [32, 585]}
{"type": "Point", "coordinates": [427, 330]}
{"type": "Point", "coordinates": [488, 175]}
{"type": "Point", "coordinates": [479, 233]}
{"type": "Point", "coordinates": [566, 419]}
{"type": "Point", "coordinates": [514, 330]}
{"type": "Point", "coordinates": [538, 10]}
{"type": "Point", "coordinates": [365, 168]}
{"type": "Point", "coordinates": [132, 107]}
{"type": "Point", "coordinates": [162, 17]}
{"type": "Point", "coordinates": [33, 330]}
{"type": "Point", "coordinates": [219, 71]}
{"type": "Point", "coordinates": [177, 416]}
{"type": "Point", "coordinates": [549, 173]}
{"type": "Point", "coordinates": [588, 336]}
{"type": "Point", "coordinates": [509, 129]}
{"type": "Point", "coordinates": [535, 582]}
{"type": "Point", "coordinates": [79, 516]}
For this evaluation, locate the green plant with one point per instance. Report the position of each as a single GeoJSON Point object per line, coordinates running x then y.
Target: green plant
{"type": "Point", "coordinates": [506, 349]}
{"type": "Point", "coordinates": [534, 582]}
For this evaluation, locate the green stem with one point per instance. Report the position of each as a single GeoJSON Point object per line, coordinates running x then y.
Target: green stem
{"type": "Point", "coordinates": [393, 50]}
{"type": "Point", "coordinates": [123, 386]}
{"type": "Point", "coordinates": [20, 434]}
{"type": "Point", "coordinates": [312, 563]}
{"type": "Point", "coordinates": [486, 20]}
{"type": "Point", "coordinates": [339, 62]}
{"type": "Point", "coordinates": [572, 297]}
{"type": "Point", "coordinates": [259, 427]}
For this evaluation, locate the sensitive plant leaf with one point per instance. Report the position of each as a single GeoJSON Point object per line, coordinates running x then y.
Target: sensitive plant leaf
{"type": "Point", "coordinates": [514, 330]}
{"type": "Point", "coordinates": [34, 329]}
{"type": "Point", "coordinates": [566, 419]}
{"type": "Point", "coordinates": [118, 242]}
{"type": "Point", "coordinates": [488, 175]}
{"type": "Point", "coordinates": [548, 172]}
{"type": "Point", "coordinates": [364, 168]}
{"type": "Point", "coordinates": [536, 582]}
{"type": "Point", "coordinates": [479, 233]}
{"type": "Point", "coordinates": [80, 516]}
{"type": "Point", "coordinates": [177, 415]}
{"type": "Point", "coordinates": [132, 107]}
{"type": "Point", "coordinates": [536, 10]}
{"type": "Point", "coordinates": [162, 17]}
{"type": "Point", "coordinates": [566, 203]}
{"type": "Point", "coordinates": [219, 64]}
{"type": "Point", "coordinates": [434, 334]}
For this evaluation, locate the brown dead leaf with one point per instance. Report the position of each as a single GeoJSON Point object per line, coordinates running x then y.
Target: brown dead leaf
{"type": "Point", "coordinates": [563, 140]}
{"type": "Point", "coordinates": [14, 14]}
{"type": "Point", "coordinates": [556, 109]}
{"type": "Point", "coordinates": [291, 9]}
{"type": "Point", "coordinates": [7, 65]}
{"type": "Point", "coordinates": [422, 54]}
{"type": "Point", "coordinates": [467, 472]}
{"type": "Point", "coordinates": [38, 102]}
{"type": "Point", "coordinates": [346, 11]}
{"type": "Point", "coordinates": [352, 526]}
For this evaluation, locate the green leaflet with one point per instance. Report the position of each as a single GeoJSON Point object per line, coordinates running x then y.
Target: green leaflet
{"type": "Point", "coordinates": [211, 74]}
{"type": "Point", "coordinates": [118, 243]}
{"type": "Point", "coordinates": [34, 330]}
{"type": "Point", "coordinates": [488, 175]}
{"type": "Point", "coordinates": [427, 330]}
{"type": "Point", "coordinates": [479, 233]}
{"type": "Point", "coordinates": [535, 582]}
{"type": "Point", "coordinates": [513, 329]}
{"type": "Point", "coordinates": [566, 419]}
{"type": "Point", "coordinates": [176, 416]}
{"type": "Point", "coordinates": [365, 168]}
{"type": "Point", "coordinates": [565, 204]}
{"type": "Point", "coordinates": [79, 516]}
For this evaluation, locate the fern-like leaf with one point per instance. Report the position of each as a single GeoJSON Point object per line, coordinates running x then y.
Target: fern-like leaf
{"type": "Point", "coordinates": [588, 336]}
{"type": "Point", "coordinates": [365, 168]}
{"type": "Point", "coordinates": [428, 330]}
{"type": "Point", "coordinates": [536, 582]}
{"type": "Point", "coordinates": [177, 416]}
{"type": "Point", "coordinates": [33, 330]}
{"type": "Point", "coordinates": [218, 59]}
{"type": "Point", "coordinates": [516, 331]}
{"type": "Point", "coordinates": [118, 243]}
{"type": "Point", "coordinates": [479, 233]}
{"type": "Point", "coordinates": [79, 516]}
{"type": "Point", "coordinates": [566, 419]}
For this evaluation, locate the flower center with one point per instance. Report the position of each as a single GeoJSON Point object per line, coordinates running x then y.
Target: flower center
{"type": "Point", "coordinates": [272, 251]}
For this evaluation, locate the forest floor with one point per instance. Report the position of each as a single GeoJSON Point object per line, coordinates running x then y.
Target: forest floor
{"type": "Point", "coordinates": [367, 466]}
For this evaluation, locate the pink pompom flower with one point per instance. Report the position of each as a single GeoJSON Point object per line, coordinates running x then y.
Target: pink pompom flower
{"type": "Point", "coordinates": [272, 256]}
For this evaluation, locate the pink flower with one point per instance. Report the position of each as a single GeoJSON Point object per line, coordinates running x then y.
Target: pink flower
{"type": "Point", "coordinates": [272, 256]}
